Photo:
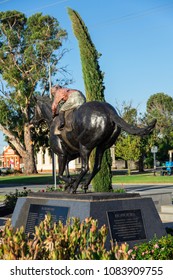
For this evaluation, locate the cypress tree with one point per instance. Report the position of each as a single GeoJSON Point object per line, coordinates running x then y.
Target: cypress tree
{"type": "Point", "coordinates": [94, 89]}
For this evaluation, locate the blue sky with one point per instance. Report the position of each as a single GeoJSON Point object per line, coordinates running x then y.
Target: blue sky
{"type": "Point", "coordinates": [135, 38]}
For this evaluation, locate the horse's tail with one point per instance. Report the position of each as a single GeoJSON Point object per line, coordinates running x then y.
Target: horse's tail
{"type": "Point", "coordinates": [134, 130]}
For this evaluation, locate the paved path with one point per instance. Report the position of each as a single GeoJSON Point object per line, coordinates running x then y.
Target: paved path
{"type": "Point", "coordinates": [7, 188]}
{"type": "Point", "coordinates": [154, 188]}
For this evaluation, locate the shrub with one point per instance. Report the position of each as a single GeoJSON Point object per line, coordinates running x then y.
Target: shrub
{"type": "Point", "coordinates": [75, 241]}
{"type": "Point", "coordinates": [156, 249]}
{"type": "Point", "coordinates": [55, 241]}
{"type": "Point", "coordinates": [11, 198]}
{"type": "Point", "coordinates": [59, 188]}
{"type": "Point", "coordinates": [120, 190]}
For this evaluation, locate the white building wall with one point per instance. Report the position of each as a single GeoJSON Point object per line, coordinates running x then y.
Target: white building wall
{"type": "Point", "coordinates": [44, 162]}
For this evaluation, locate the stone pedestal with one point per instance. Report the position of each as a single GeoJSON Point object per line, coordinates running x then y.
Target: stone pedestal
{"type": "Point", "coordinates": [129, 217]}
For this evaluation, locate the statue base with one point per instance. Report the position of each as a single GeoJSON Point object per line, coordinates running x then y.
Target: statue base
{"type": "Point", "coordinates": [128, 217]}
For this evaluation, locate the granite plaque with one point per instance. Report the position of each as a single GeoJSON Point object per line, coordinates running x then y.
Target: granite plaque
{"type": "Point", "coordinates": [37, 214]}
{"type": "Point", "coordinates": [126, 225]}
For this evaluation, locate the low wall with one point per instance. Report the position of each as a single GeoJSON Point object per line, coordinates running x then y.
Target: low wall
{"type": "Point", "coordinates": [159, 198]}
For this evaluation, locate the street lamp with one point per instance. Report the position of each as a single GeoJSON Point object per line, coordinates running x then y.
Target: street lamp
{"type": "Point", "coordinates": [53, 154]}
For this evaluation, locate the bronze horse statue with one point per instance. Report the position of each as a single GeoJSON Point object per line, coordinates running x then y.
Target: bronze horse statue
{"type": "Point", "coordinates": [93, 125]}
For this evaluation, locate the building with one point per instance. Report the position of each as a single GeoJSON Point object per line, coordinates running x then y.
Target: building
{"type": "Point", "coordinates": [10, 158]}
{"type": "Point", "coordinates": [44, 162]}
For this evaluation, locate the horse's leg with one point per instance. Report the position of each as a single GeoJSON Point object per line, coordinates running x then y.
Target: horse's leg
{"type": "Point", "coordinates": [67, 173]}
{"type": "Point", "coordinates": [67, 170]}
{"type": "Point", "coordinates": [84, 154]}
{"type": "Point", "coordinates": [99, 155]}
{"type": "Point", "coordinates": [63, 164]}
{"type": "Point", "coordinates": [97, 166]}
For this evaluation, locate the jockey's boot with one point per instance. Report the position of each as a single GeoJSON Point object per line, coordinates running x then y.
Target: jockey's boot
{"type": "Point", "coordinates": [61, 120]}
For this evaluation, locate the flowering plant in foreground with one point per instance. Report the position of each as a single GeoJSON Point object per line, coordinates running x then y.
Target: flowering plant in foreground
{"type": "Point", "coordinates": [76, 241]}
{"type": "Point", "coordinates": [155, 249]}
{"type": "Point", "coordinates": [54, 241]}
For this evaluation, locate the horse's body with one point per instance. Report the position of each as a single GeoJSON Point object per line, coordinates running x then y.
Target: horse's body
{"type": "Point", "coordinates": [93, 125]}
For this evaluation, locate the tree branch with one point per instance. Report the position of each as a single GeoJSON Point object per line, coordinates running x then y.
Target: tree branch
{"type": "Point", "coordinates": [13, 140]}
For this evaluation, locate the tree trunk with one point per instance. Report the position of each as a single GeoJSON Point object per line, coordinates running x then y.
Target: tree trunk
{"type": "Point", "coordinates": [29, 164]}
{"type": "Point", "coordinates": [141, 164]}
{"type": "Point", "coordinates": [28, 158]}
{"type": "Point", "coordinates": [26, 152]}
{"type": "Point", "coordinates": [129, 167]}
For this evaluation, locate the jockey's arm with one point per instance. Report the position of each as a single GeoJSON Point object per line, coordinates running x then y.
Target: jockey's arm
{"type": "Point", "coordinates": [59, 96]}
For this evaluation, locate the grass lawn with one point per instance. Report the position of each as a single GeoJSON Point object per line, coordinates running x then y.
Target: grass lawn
{"type": "Point", "coordinates": [47, 179]}
{"type": "Point", "coordinates": [28, 180]}
{"type": "Point", "coordinates": [117, 178]}
{"type": "Point", "coordinates": [142, 179]}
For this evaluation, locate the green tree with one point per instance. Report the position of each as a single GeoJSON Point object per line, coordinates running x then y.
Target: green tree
{"type": "Point", "coordinates": [128, 147]}
{"type": "Point", "coordinates": [160, 106]}
{"type": "Point", "coordinates": [27, 55]}
{"type": "Point", "coordinates": [94, 88]}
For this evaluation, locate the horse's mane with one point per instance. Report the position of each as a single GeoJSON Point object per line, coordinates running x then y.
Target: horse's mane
{"type": "Point", "coordinates": [44, 98]}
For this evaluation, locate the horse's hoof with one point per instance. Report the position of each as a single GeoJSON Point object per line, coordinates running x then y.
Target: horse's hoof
{"type": "Point", "coordinates": [71, 190]}
{"type": "Point", "coordinates": [74, 190]}
{"type": "Point", "coordinates": [67, 187]}
{"type": "Point", "coordinates": [84, 188]}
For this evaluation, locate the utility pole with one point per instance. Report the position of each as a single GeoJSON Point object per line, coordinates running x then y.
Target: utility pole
{"type": "Point", "coordinates": [53, 154]}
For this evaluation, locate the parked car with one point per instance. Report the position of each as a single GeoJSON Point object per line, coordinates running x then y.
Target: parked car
{"type": "Point", "coordinates": [6, 170]}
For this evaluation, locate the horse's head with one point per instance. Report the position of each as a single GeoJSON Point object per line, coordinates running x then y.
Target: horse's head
{"type": "Point", "coordinates": [42, 110]}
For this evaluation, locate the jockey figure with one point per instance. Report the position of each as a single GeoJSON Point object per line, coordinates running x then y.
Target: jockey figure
{"type": "Point", "coordinates": [67, 99]}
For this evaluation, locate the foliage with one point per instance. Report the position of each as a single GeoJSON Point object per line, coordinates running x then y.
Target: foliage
{"type": "Point", "coordinates": [127, 112]}
{"type": "Point", "coordinates": [102, 182]}
{"type": "Point", "coordinates": [59, 188]}
{"type": "Point", "coordinates": [27, 56]}
{"type": "Point", "coordinates": [129, 147]}
{"type": "Point", "coordinates": [156, 249]}
{"type": "Point", "coordinates": [54, 241]}
{"type": "Point", "coordinates": [93, 76]}
{"type": "Point", "coordinates": [94, 88]}
{"type": "Point", "coordinates": [50, 189]}
{"type": "Point", "coordinates": [120, 190]}
{"type": "Point", "coordinates": [160, 106]}
{"type": "Point", "coordinates": [11, 198]}
{"type": "Point", "coordinates": [75, 241]}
